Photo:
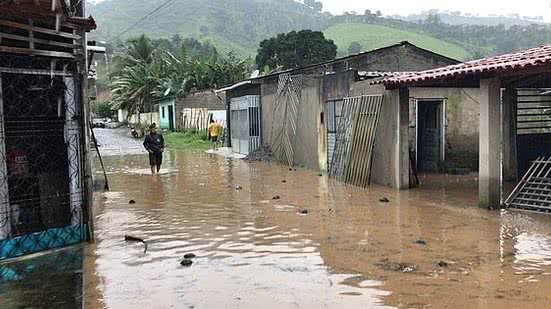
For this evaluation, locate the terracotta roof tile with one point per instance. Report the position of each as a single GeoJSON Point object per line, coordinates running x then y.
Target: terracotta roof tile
{"type": "Point", "coordinates": [533, 57]}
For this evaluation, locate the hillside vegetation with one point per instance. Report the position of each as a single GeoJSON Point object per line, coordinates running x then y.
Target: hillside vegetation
{"type": "Point", "coordinates": [240, 25]}
{"type": "Point", "coordinates": [376, 36]}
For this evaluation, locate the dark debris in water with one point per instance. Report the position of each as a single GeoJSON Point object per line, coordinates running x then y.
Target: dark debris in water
{"type": "Point", "coordinates": [132, 202]}
{"type": "Point", "coordinates": [384, 200]}
{"type": "Point", "coordinates": [190, 256]}
{"type": "Point", "coordinates": [263, 153]}
{"type": "Point", "coordinates": [420, 242]}
{"type": "Point", "coordinates": [388, 265]}
{"type": "Point", "coordinates": [304, 211]}
{"type": "Point", "coordinates": [277, 197]}
{"type": "Point", "coordinates": [186, 262]}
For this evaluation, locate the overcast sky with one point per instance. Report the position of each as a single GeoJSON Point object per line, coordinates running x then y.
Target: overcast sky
{"type": "Point", "coordinates": [482, 7]}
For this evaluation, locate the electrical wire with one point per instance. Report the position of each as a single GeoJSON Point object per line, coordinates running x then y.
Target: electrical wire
{"type": "Point", "coordinates": [150, 14]}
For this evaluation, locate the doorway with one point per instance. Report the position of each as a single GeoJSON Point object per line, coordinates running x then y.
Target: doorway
{"type": "Point", "coordinates": [171, 118]}
{"type": "Point", "coordinates": [430, 135]}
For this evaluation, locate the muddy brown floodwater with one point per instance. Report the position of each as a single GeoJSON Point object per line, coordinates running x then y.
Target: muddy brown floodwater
{"type": "Point", "coordinates": [423, 249]}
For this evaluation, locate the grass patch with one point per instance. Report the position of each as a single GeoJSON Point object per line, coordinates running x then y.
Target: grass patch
{"type": "Point", "coordinates": [376, 36]}
{"type": "Point", "coordinates": [191, 140]}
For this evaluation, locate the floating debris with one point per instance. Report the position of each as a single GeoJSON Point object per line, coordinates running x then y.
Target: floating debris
{"type": "Point", "coordinates": [263, 153]}
{"type": "Point", "coordinates": [304, 211]}
{"type": "Point", "coordinates": [420, 242]}
{"type": "Point", "coordinates": [190, 256]}
{"type": "Point", "coordinates": [387, 265]}
{"type": "Point", "coordinates": [132, 202]}
{"type": "Point", "coordinates": [136, 239]}
{"type": "Point", "coordinates": [238, 188]}
{"type": "Point", "coordinates": [443, 264]}
{"type": "Point", "coordinates": [284, 181]}
{"type": "Point", "coordinates": [384, 200]}
{"type": "Point", "coordinates": [277, 197]}
{"type": "Point", "coordinates": [186, 262]}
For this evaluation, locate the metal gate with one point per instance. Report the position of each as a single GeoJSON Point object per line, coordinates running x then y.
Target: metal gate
{"type": "Point", "coordinates": [42, 196]}
{"type": "Point", "coordinates": [533, 126]}
{"type": "Point", "coordinates": [333, 113]}
{"type": "Point", "coordinates": [534, 190]}
{"type": "Point", "coordinates": [246, 124]}
{"type": "Point", "coordinates": [355, 139]}
{"type": "Point", "coordinates": [286, 116]}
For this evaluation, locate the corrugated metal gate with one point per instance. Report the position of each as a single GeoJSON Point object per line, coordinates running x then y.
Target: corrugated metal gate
{"type": "Point", "coordinates": [246, 124]}
{"type": "Point", "coordinates": [355, 139]}
{"type": "Point", "coordinates": [42, 202]}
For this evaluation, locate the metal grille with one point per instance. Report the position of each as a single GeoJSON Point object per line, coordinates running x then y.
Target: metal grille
{"type": "Point", "coordinates": [333, 114]}
{"type": "Point", "coordinates": [286, 116]}
{"type": "Point", "coordinates": [246, 122]}
{"type": "Point", "coordinates": [41, 180]}
{"type": "Point", "coordinates": [533, 112]}
{"type": "Point", "coordinates": [533, 192]}
{"type": "Point", "coordinates": [355, 140]}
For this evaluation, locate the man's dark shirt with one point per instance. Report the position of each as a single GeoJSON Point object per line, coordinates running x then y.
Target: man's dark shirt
{"type": "Point", "coordinates": [154, 143]}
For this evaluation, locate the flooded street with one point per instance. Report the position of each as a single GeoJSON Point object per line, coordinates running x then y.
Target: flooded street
{"type": "Point", "coordinates": [422, 249]}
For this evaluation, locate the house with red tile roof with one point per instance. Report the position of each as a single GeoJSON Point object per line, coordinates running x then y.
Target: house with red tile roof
{"type": "Point", "coordinates": [505, 103]}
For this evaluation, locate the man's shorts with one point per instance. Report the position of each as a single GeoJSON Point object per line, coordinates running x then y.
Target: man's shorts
{"type": "Point", "coordinates": [214, 139]}
{"type": "Point", "coordinates": [156, 158]}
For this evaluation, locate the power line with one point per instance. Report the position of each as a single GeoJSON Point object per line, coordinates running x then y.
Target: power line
{"type": "Point", "coordinates": [157, 9]}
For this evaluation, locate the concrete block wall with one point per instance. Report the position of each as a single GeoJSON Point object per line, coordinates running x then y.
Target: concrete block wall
{"type": "Point", "coordinates": [463, 114]}
{"type": "Point", "coordinates": [201, 100]}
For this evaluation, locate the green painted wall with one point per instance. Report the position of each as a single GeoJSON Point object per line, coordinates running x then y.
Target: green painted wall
{"type": "Point", "coordinates": [164, 114]}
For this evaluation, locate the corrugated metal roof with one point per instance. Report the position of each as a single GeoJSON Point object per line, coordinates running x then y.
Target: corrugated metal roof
{"type": "Point", "coordinates": [530, 58]}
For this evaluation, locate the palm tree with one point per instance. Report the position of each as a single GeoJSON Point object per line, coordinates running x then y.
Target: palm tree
{"type": "Point", "coordinates": [144, 73]}
{"type": "Point", "coordinates": [134, 84]}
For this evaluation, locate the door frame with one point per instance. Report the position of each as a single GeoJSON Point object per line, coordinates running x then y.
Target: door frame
{"type": "Point", "coordinates": [443, 125]}
{"type": "Point", "coordinates": [171, 118]}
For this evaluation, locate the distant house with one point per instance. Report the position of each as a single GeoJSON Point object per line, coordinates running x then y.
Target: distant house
{"type": "Point", "coordinates": [308, 99]}
{"type": "Point", "coordinates": [167, 113]}
{"type": "Point", "coordinates": [194, 110]}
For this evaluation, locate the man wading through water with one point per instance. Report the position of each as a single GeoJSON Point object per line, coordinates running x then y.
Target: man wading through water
{"type": "Point", "coordinates": [154, 144]}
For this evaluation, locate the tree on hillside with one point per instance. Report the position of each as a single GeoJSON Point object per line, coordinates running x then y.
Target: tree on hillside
{"type": "Point", "coordinates": [295, 49]}
{"type": "Point", "coordinates": [355, 48]}
{"type": "Point", "coordinates": [199, 50]}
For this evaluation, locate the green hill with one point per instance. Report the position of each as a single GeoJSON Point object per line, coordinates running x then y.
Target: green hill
{"type": "Point", "coordinates": [237, 25]}
{"type": "Point", "coordinates": [375, 36]}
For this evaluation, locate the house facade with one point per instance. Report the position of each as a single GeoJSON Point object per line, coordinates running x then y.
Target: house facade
{"type": "Point", "coordinates": [194, 110]}
{"type": "Point", "coordinates": [319, 91]}
{"type": "Point", "coordinates": [45, 174]}
{"type": "Point", "coordinates": [167, 114]}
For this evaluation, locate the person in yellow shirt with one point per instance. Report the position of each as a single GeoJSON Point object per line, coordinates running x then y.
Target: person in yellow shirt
{"type": "Point", "coordinates": [214, 133]}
